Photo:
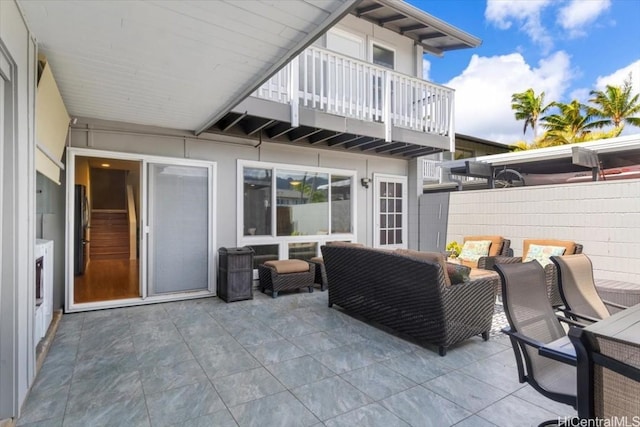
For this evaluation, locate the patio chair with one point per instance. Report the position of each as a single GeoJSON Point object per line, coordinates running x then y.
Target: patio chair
{"type": "Point", "coordinates": [551, 276]}
{"type": "Point", "coordinates": [532, 324]}
{"type": "Point", "coordinates": [578, 289]}
{"type": "Point", "coordinates": [499, 247]}
{"type": "Point", "coordinates": [608, 376]}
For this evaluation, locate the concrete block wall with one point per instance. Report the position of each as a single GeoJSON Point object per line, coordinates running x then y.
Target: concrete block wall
{"type": "Point", "coordinates": [604, 216]}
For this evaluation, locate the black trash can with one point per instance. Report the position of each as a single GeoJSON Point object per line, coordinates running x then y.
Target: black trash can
{"type": "Point", "coordinates": [235, 274]}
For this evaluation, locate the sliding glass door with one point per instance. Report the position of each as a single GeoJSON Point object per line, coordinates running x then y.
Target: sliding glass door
{"type": "Point", "coordinates": [179, 228]}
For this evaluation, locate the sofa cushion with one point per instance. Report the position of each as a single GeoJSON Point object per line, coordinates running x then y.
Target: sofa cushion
{"type": "Point", "coordinates": [570, 247]}
{"type": "Point", "coordinates": [288, 266]}
{"type": "Point", "coordinates": [434, 257]}
{"type": "Point", "coordinates": [542, 253]}
{"type": "Point", "coordinates": [496, 243]}
{"type": "Point", "coordinates": [473, 250]}
{"type": "Point", "coordinates": [458, 273]}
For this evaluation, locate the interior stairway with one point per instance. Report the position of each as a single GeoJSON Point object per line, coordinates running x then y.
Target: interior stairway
{"type": "Point", "coordinates": [109, 235]}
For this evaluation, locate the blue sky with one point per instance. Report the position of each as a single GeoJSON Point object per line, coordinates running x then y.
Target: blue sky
{"type": "Point", "coordinates": [562, 47]}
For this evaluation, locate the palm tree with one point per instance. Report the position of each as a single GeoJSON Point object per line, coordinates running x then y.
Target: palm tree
{"type": "Point", "coordinates": [572, 124]}
{"type": "Point", "coordinates": [528, 107]}
{"type": "Point", "coordinates": [615, 106]}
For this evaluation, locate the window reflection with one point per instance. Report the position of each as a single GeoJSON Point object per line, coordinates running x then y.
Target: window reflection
{"type": "Point", "coordinates": [302, 203]}
{"type": "Point", "coordinates": [257, 202]}
{"type": "Point", "coordinates": [340, 204]}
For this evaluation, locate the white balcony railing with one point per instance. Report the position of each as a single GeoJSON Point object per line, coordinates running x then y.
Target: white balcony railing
{"type": "Point", "coordinates": [340, 85]}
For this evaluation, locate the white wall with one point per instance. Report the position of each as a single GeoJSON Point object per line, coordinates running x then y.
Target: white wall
{"type": "Point", "coordinates": [225, 151]}
{"type": "Point", "coordinates": [405, 56]}
{"type": "Point", "coordinates": [17, 210]}
{"type": "Point", "coordinates": [603, 216]}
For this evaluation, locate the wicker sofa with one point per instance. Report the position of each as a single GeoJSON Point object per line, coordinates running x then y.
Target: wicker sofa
{"type": "Point", "coordinates": [408, 294]}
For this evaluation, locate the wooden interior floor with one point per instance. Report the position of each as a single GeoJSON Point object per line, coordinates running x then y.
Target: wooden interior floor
{"type": "Point", "coordinates": [107, 280]}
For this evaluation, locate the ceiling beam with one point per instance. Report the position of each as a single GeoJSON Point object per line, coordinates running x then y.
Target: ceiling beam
{"type": "Point", "coordinates": [341, 139]}
{"type": "Point", "coordinates": [431, 36]}
{"type": "Point", "coordinates": [360, 141]}
{"type": "Point", "coordinates": [230, 120]}
{"type": "Point", "coordinates": [255, 124]}
{"type": "Point", "coordinates": [301, 133]}
{"type": "Point", "coordinates": [407, 149]}
{"type": "Point", "coordinates": [423, 152]}
{"type": "Point", "coordinates": [413, 27]}
{"type": "Point", "coordinates": [364, 10]}
{"type": "Point", "coordinates": [279, 129]}
{"type": "Point", "coordinates": [389, 147]}
{"type": "Point", "coordinates": [372, 145]}
{"type": "Point", "coordinates": [323, 136]}
{"type": "Point", "coordinates": [391, 18]}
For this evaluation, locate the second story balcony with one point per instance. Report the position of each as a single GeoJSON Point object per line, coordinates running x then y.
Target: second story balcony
{"type": "Point", "coordinates": [329, 99]}
{"type": "Point", "coordinates": [325, 81]}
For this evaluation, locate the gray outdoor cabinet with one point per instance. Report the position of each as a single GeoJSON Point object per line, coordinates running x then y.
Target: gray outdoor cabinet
{"type": "Point", "coordinates": [235, 274]}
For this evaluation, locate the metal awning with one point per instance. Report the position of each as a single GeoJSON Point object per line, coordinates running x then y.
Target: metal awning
{"type": "Point", "coordinates": [435, 36]}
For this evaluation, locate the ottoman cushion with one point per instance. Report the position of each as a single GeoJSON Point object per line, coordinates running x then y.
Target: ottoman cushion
{"type": "Point", "coordinates": [288, 266]}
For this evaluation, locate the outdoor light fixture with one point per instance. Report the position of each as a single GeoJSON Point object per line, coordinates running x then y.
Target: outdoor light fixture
{"type": "Point", "coordinates": [365, 182]}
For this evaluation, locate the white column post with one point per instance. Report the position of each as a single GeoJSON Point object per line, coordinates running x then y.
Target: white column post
{"type": "Point", "coordinates": [387, 106]}
{"type": "Point", "coordinates": [294, 84]}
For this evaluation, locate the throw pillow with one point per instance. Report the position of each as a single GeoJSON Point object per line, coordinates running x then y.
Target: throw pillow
{"type": "Point", "coordinates": [474, 249]}
{"type": "Point", "coordinates": [542, 253]}
{"type": "Point", "coordinates": [458, 273]}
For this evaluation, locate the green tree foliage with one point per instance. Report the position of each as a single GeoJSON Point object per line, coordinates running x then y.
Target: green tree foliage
{"type": "Point", "coordinates": [615, 106]}
{"type": "Point", "coordinates": [528, 107]}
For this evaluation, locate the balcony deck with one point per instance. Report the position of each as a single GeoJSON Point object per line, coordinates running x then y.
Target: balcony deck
{"type": "Point", "coordinates": [290, 361]}
{"type": "Point", "coordinates": [325, 98]}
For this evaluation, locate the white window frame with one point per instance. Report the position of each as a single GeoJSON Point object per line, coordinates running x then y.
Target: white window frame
{"type": "Point", "coordinates": [377, 178]}
{"type": "Point", "coordinates": [144, 159]}
{"type": "Point", "coordinates": [284, 241]}
{"type": "Point", "coordinates": [383, 45]}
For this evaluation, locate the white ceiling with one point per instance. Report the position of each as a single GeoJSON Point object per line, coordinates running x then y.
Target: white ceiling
{"type": "Point", "coordinates": [174, 64]}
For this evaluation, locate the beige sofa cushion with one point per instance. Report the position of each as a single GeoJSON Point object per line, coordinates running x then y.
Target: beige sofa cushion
{"type": "Point", "coordinates": [288, 266]}
{"type": "Point", "coordinates": [568, 245]}
{"type": "Point", "coordinates": [435, 257]}
{"type": "Point", "coordinates": [496, 243]}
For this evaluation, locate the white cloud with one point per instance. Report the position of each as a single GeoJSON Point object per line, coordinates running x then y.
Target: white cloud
{"type": "Point", "coordinates": [503, 14]}
{"type": "Point", "coordinates": [426, 67]}
{"type": "Point", "coordinates": [484, 89]}
{"type": "Point", "coordinates": [580, 13]}
{"type": "Point", "coordinates": [619, 76]}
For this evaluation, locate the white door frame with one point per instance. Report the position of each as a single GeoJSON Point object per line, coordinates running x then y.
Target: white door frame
{"type": "Point", "coordinates": [377, 179]}
{"type": "Point", "coordinates": [72, 153]}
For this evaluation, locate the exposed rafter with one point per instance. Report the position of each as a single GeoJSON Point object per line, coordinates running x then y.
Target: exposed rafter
{"type": "Point", "coordinates": [302, 132]}
{"type": "Point", "coordinates": [255, 124]}
{"type": "Point", "coordinates": [364, 10]}
{"type": "Point", "coordinates": [279, 129]}
{"type": "Point", "coordinates": [413, 27]}
{"type": "Point", "coordinates": [230, 120]}
{"type": "Point", "coordinates": [323, 136]}
{"type": "Point", "coordinates": [342, 139]}
{"type": "Point", "coordinates": [391, 18]}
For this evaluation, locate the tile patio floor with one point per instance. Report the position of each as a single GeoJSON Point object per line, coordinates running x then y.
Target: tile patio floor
{"type": "Point", "coordinates": [285, 362]}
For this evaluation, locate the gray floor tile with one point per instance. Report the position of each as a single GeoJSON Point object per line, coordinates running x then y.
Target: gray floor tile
{"type": "Point", "coordinates": [221, 418]}
{"type": "Point", "coordinates": [529, 394]}
{"type": "Point", "coordinates": [222, 364]}
{"type": "Point", "coordinates": [51, 422]}
{"type": "Point", "coordinates": [246, 386]}
{"type": "Point", "coordinates": [164, 356]}
{"type": "Point", "coordinates": [512, 411]}
{"type": "Point", "coordinates": [50, 403]}
{"type": "Point", "coordinates": [378, 381]}
{"type": "Point", "coordinates": [496, 373]}
{"type": "Point", "coordinates": [290, 326]}
{"type": "Point", "coordinates": [275, 351]}
{"type": "Point", "coordinates": [474, 421]}
{"type": "Point", "coordinates": [101, 344]}
{"type": "Point", "coordinates": [85, 395]}
{"type": "Point", "coordinates": [202, 328]}
{"type": "Point", "coordinates": [256, 335]}
{"type": "Point", "coordinates": [282, 410]}
{"type": "Point", "coordinates": [421, 407]}
{"type": "Point", "coordinates": [470, 351]}
{"type": "Point", "coordinates": [53, 375]}
{"type": "Point", "coordinates": [466, 391]}
{"type": "Point", "coordinates": [374, 415]}
{"type": "Point", "coordinates": [129, 412]}
{"type": "Point", "coordinates": [180, 404]}
{"type": "Point", "coordinates": [164, 377]}
{"type": "Point", "coordinates": [347, 357]}
{"type": "Point", "coordinates": [146, 313]}
{"type": "Point", "coordinates": [217, 344]}
{"type": "Point", "coordinates": [104, 365]}
{"type": "Point", "coordinates": [316, 342]}
{"type": "Point", "coordinates": [296, 372]}
{"type": "Point", "coordinates": [420, 366]}
{"type": "Point", "coordinates": [330, 397]}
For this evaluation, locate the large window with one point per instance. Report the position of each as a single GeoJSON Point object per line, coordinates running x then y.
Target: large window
{"type": "Point", "coordinates": [297, 209]}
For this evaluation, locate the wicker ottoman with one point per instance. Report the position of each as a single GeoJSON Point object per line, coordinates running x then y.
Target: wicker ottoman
{"type": "Point", "coordinates": [286, 275]}
{"type": "Point", "coordinates": [321, 273]}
